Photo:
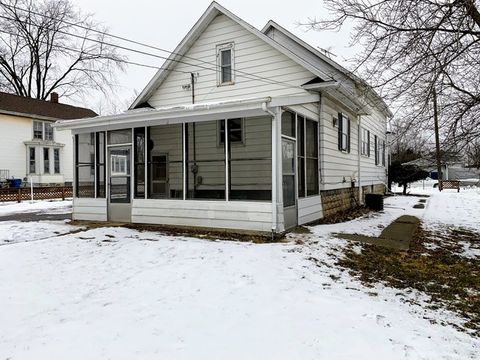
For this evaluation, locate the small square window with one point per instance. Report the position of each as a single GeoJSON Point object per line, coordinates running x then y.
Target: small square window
{"type": "Point", "coordinates": [235, 131]}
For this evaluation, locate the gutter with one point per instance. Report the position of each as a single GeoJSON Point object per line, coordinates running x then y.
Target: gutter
{"type": "Point", "coordinates": [158, 114]}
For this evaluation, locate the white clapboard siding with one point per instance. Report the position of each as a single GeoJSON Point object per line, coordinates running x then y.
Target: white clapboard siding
{"type": "Point", "coordinates": [337, 167]}
{"type": "Point", "coordinates": [370, 173]}
{"type": "Point", "coordinates": [252, 55]}
{"type": "Point", "coordinates": [13, 154]}
{"type": "Point", "coordinates": [253, 216]}
{"type": "Point", "coordinates": [308, 110]}
{"type": "Point", "coordinates": [89, 209]}
{"type": "Point", "coordinates": [309, 209]}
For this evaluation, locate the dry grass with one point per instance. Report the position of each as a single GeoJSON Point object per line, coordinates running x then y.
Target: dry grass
{"type": "Point", "coordinates": [434, 265]}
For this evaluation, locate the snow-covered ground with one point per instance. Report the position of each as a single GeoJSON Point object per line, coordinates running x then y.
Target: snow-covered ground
{"type": "Point", "coordinates": [116, 293]}
{"type": "Point", "coordinates": [50, 207]}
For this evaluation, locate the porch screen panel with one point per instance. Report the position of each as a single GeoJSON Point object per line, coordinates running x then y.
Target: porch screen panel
{"type": "Point", "coordinates": [205, 161]}
{"type": "Point", "coordinates": [251, 162]}
{"type": "Point", "coordinates": [165, 162]}
{"type": "Point", "coordinates": [100, 163]}
{"type": "Point", "coordinates": [85, 165]}
{"type": "Point", "coordinates": [139, 162]}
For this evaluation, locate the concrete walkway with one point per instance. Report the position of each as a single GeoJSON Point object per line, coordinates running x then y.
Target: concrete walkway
{"type": "Point", "coordinates": [397, 235]}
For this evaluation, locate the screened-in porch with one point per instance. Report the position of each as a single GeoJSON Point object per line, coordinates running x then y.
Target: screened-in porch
{"type": "Point", "coordinates": [209, 173]}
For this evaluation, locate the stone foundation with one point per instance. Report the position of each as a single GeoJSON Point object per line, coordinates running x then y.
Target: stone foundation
{"type": "Point", "coordinates": [334, 201]}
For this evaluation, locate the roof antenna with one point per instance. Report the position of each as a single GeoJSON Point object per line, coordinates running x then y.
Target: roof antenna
{"type": "Point", "coordinates": [326, 51]}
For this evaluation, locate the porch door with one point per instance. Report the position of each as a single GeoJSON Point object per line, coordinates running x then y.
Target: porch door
{"type": "Point", "coordinates": [159, 176]}
{"type": "Point", "coordinates": [119, 174]}
{"type": "Point", "coordinates": [288, 182]}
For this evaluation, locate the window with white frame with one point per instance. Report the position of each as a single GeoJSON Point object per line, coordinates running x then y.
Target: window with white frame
{"type": "Point", "coordinates": [235, 131]}
{"type": "Point", "coordinates": [37, 129]}
{"type": "Point", "coordinates": [119, 164]}
{"type": "Point", "coordinates": [365, 150]}
{"type": "Point", "coordinates": [56, 161]}
{"type": "Point", "coordinates": [343, 132]}
{"type": "Point", "coordinates": [225, 60]}
{"type": "Point", "coordinates": [48, 131]}
{"type": "Point", "coordinates": [31, 160]}
{"type": "Point", "coordinates": [42, 130]}
{"type": "Point", "coordinates": [377, 150]}
{"type": "Point", "coordinates": [46, 160]}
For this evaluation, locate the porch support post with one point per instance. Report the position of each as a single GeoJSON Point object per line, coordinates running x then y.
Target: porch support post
{"type": "Point", "coordinates": [277, 196]}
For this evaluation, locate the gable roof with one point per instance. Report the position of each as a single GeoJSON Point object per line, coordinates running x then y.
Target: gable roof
{"type": "Point", "coordinates": [213, 11]}
{"type": "Point", "coordinates": [23, 106]}
{"type": "Point", "coordinates": [379, 101]}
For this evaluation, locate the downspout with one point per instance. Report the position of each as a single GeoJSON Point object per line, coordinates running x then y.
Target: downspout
{"type": "Point", "coordinates": [274, 166]}
{"type": "Point", "coordinates": [359, 157]}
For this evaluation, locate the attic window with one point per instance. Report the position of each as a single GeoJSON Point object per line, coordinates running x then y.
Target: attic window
{"type": "Point", "coordinates": [225, 62]}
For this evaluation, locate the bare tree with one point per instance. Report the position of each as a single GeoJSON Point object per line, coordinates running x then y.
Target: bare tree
{"type": "Point", "coordinates": [49, 45]}
{"type": "Point", "coordinates": [412, 49]}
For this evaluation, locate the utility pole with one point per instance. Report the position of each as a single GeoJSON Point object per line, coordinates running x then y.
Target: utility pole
{"type": "Point", "coordinates": [437, 138]}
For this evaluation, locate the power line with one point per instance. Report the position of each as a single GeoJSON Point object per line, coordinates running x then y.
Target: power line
{"type": "Point", "coordinates": [246, 74]}
{"type": "Point", "coordinates": [92, 54]}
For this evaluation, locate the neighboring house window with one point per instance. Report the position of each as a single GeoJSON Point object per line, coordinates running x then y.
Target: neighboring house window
{"type": "Point", "coordinates": [235, 131]}
{"type": "Point", "coordinates": [42, 130]}
{"type": "Point", "coordinates": [225, 64]}
{"type": "Point", "coordinates": [38, 130]}
{"type": "Point", "coordinates": [31, 160]}
{"type": "Point", "coordinates": [365, 142]}
{"type": "Point", "coordinates": [343, 133]}
{"type": "Point", "coordinates": [46, 160]}
{"type": "Point", "coordinates": [48, 131]}
{"type": "Point", "coordinates": [56, 161]}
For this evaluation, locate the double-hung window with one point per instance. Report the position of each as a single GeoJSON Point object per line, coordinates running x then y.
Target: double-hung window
{"type": "Point", "coordinates": [42, 130]}
{"type": "Point", "coordinates": [37, 130]}
{"type": "Point", "coordinates": [48, 131]}
{"type": "Point", "coordinates": [31, 160]}
{"type": "Point", "coordinates": [46, 160]}
{"type": "Point", "coordinates": [365, 150]}
{"type": "Point", "coordinates": [343, 132]}
{"type": "Point", "coordinates": [225, 60]}
{"type": "Point", "coordinates": [235, 131]}
{"type": "Point", "coordinates": [377, 150]}
{"type": "Point", "coordinates": [56, 161]}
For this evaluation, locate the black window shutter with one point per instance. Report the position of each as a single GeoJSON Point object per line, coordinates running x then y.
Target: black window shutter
{"type": "Point", "coordinates": [376, 150]}
{"type": "Point", "coordinates": [348, 135]}
{"type": "Point", "coordinates": [340, 124]}
{"type": "Point", "coordinates": [368, 143]}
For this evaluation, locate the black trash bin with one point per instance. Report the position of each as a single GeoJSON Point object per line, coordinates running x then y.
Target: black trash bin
{"type": "Point", "coordinates": [374, 201]}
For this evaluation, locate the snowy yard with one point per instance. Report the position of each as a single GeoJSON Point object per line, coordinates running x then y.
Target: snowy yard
{"type": "Point", "coordinates": [116, 293]}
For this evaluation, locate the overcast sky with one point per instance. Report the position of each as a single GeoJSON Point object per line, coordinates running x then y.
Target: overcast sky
{"type": "Point", "coordinates": [164, 24]}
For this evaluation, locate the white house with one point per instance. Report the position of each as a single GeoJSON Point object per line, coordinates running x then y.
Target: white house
{"type": "Point", "coordinates": [29, 146]}
{"type": "Point", "coordinates": [240, 129]}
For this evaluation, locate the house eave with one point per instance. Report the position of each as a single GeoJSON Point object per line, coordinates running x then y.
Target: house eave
{"type": "Point", "coordinates": [169, 115]}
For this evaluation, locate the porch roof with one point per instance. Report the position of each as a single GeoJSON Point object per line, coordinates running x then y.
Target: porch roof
{"type": "Point", "coordinates": [183, 113]}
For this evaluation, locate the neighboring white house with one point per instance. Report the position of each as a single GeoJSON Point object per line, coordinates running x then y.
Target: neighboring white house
{"type": "Point", "coordinates": [240, 129]}
{"type": "Point", "coordinates": [30, 148]}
